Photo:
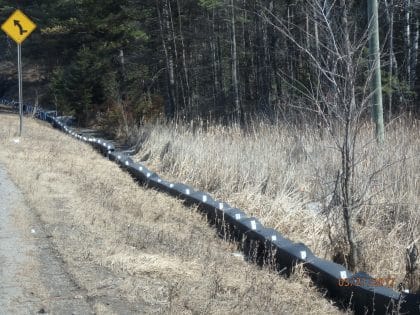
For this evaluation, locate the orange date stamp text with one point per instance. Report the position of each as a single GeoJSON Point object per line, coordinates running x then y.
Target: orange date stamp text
{"type": "Point", "coordinates": [367, 282]}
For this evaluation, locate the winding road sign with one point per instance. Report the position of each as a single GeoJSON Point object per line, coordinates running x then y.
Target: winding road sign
{"type": "Point", "coordinates": [18, 26]}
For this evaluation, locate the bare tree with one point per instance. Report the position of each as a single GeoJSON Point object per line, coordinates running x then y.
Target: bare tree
{"type": "Point", "coordinates": [164, 24]}
{"type": "Point", "coordinates": [339, 93]}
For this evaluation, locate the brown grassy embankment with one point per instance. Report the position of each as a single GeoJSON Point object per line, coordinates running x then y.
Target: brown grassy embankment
{"type": "Point", "coordinates": [284, 175]}
{"type": "Point", "coordinates": [163, 255]}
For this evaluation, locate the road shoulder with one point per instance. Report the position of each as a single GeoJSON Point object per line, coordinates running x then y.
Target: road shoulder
{"type": "Point", "coordinates": [26, 257]}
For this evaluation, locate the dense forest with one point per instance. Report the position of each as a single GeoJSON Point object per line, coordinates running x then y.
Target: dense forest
{"type": "Point", "coordinates": [213, 58]}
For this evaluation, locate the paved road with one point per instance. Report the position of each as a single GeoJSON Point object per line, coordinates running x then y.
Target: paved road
{"type": "Point", "coordinates": [32, 276]}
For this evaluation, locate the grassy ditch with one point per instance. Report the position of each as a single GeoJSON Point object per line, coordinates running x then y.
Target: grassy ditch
{"type": "Point", "coordinates": [161, 255]}
{"type": "Point", "coordinates": [286, 175]}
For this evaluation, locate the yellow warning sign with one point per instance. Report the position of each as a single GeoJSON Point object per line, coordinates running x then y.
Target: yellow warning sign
{"type": "Point", "coordinates": [18, 26]}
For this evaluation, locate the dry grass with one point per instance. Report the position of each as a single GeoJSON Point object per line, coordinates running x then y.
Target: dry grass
{"type": "Point", "coordinates": [285, 175]}
{"type": "Point", "coordinates": [163, 256]}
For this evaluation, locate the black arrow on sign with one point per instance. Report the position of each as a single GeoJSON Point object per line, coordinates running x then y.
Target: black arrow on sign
{"type": "Point", "coordinates": [21, 30]}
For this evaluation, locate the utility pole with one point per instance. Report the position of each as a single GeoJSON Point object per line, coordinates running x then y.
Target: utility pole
{"type": "Point", "coordinates": [375, 61]}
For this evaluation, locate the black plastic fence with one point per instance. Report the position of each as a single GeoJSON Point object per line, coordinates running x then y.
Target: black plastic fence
{"type": "Point", "coordinates": [260, 244]}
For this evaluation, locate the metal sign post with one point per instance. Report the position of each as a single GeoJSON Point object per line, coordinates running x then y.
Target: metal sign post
{"type": "Point", "coordinates": [19, 52]}
{"type": "Point", "coordinates": [18, 27]}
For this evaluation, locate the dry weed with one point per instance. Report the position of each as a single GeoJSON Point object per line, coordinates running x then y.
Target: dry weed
{"type": "Point", "coordinates": [285, 176]}
{"type": "Point", "coordinates": [162, 255]}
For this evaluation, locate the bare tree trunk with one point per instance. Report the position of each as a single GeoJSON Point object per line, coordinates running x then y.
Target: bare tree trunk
{"type": "Point", "coordinates": [393, 65]}
{"type": "Point", "coordinates": [289, 50]}
{"type": "Point", "coordinates": [186, 96]}
{"type": "Point", "coordinates": [246, 42]}
{"type": "Point", "coordinates": [262, 64]}
{"type": "Point", "coordinates": [170, 59]}
{"type": "Point", "coordinates": [122, 94]}
{"type": "Point", "coordinates": [184, 59]}
{"type": "Point", "coordinates": [266, 63]}
{"type": "Point", "coordinates": [220, 75]}
{"type": "Point", "coordinates": [219, 86]}
{"type": "Point", "coordinates": [308, 42]}
{"type": "Point", "coordinates": [407, 37]}
{"type": "Point", "coordinates": [274, 39]}
{"type": "Point", "coordinates": [172, 38]}
{"type": "Point", "coordinates": [212, 43]}
{"type": "Point", "coordinates": [235, 82]}
{"type": "Point", "coordinates": [413, 52]}
{"type": "Point", "coordinates": [170, 107]}
{"type": "Point", "coordinates": [316, 34]}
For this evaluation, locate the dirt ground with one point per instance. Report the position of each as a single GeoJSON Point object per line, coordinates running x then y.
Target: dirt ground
{"type": "Point", "coordinates": [84, 238]}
